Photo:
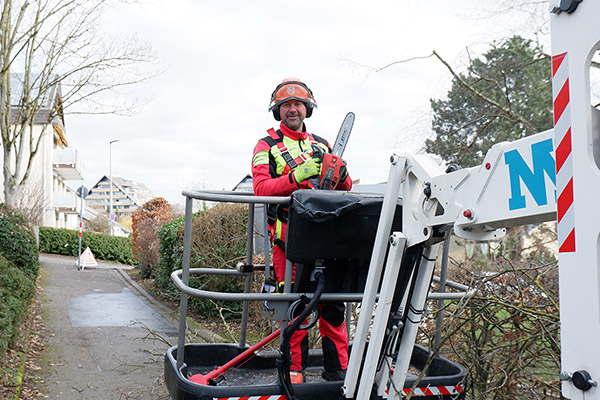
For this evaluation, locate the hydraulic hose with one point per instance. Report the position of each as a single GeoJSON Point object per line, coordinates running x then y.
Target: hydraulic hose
{"type": "Point", "coordinates": [284, 361]}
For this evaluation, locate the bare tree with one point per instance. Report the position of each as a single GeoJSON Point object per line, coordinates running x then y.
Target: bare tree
{"type": "Point", "coordinates": [53, 57]}
{"type": "Point", "coordinates": [30, 203]}
{"type": "Point", "coordinates": [98, 224]}
{"type": "Point", "coordinates": [507, 335]}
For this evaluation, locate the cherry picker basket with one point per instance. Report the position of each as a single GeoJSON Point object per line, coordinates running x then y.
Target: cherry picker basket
{"type": "Point", "coordinates": [335, 228]}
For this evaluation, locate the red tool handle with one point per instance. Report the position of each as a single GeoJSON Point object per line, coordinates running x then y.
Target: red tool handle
{"type": "Point", "coordinates": [205, 379]}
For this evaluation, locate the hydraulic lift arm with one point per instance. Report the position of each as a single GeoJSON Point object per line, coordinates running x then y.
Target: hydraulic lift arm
{"type": "Point", "coordinates": [515, 185]}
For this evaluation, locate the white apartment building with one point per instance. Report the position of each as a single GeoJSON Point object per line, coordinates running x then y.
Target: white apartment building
{"type": "Point", "coordinates": [46, 193]}
{"type": "Point", "coordinates": [127, 196]}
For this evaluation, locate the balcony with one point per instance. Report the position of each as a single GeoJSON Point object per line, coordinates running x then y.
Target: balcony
{"type": "Point", "coordinates": [68, 164]}
{"type": "Point", "coordinates": [67, 202]}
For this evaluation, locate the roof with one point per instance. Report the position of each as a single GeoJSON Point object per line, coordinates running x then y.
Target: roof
{"type": "Point", "coordinates": [46, 89]}
{"type": "Point", "coordinates": [245, 185]}
{"type": "Point", "coordinates": [48, 97]}
{"type": "Point", "coordinates": [45, 99]}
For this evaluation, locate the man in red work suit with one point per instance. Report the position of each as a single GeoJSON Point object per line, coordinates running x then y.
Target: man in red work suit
{"type": "Point", "coordinates": [282, 163]}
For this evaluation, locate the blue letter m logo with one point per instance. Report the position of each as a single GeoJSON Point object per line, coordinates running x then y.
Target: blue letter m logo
{"type": "Point", "coordinates": [534, 181]}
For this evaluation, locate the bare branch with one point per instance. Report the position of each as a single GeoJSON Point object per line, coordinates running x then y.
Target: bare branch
{"type": "Point", "coordinates": [480, 132]}
{"type": "Point", "coordinates": [404, 61]}
{"type": "Point", "coordinates": [511, 116]}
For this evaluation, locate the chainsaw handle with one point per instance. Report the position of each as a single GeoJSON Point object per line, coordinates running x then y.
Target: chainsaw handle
{"type": "Point", "coordinates": [317, 152]}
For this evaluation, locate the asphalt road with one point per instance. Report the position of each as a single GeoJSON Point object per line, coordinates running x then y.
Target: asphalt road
{"type": "Point", "coordinates": [102, 334]}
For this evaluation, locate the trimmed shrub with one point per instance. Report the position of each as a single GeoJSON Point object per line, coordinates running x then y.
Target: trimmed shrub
{"type": "Point", "coordinates": [17, 242]}
{"type": "Point", "coordinates": [146, 224]}
{"type": "Point", "coordinates": [105, 247]}
{"type": "Point", "coordinates": [218, 241]}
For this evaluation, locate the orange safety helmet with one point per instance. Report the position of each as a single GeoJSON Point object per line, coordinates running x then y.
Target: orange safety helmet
{"type": "Point", "coordinates": [288, 89]}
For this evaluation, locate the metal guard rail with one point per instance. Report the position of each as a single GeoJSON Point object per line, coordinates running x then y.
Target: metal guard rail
{"type": "Point", "coordinates": [353, 297]}
{"type": "Point", "coordinates": [181, 277]}
{"type": "Point", "coordinates": [243, 197]}
{"type": "Point", "coordinates": [235, 197]}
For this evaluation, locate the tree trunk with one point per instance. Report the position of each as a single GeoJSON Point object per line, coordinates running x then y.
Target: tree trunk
{"type": "Point", "coordinates": [11, 189]}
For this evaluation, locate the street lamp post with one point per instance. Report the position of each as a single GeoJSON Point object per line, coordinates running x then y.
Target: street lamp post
{"type": "Point", "coordinates": [110, 211]}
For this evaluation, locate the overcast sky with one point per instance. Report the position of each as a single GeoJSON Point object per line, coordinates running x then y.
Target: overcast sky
{"type": "Point", "coordinates": [203, 115]}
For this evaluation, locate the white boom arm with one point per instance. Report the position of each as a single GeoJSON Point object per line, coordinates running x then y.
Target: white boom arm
{"type": "Point", "coordinates": [551, 175]}
{"type": "Point", "coordinates": [515, 185]}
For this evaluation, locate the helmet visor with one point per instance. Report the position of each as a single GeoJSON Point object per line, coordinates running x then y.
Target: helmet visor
{"type": "Point", "coordinates": [291, 90]}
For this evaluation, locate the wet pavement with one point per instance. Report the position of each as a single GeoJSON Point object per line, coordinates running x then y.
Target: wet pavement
{"type": "Point", "coordinates": [116, 309]}
{"type": "Point", "coordinates": [106, 336]}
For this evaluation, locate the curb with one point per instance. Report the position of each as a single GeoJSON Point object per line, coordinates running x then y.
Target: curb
{"type": "Point", "coordinates": [162, 308]}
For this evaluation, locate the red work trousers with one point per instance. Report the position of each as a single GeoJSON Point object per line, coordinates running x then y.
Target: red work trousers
{"type": "Point", "coordinates": [332, 326]}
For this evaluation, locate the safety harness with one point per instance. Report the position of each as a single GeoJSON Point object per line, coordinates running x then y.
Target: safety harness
{"type": "Point", "coordinates": [275, 138]}
{"type": "Point", "coordinates": [275, 213]}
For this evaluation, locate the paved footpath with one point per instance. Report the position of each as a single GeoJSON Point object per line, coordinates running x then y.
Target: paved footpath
{"type": "Point", "coordinates": [99, 344]}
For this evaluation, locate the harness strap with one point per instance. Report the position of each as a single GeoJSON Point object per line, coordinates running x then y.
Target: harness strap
{"type": "Point", "coordinates": [277, 139]}
{"type": "Point", "coordinates": [280, 243]}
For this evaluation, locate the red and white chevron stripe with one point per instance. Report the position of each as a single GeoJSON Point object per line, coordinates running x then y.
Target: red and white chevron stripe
{"type": "Point", "coordinates": [564, 163]}
{"type": "Point", "coordinates": [276, 397]}
{"type": "Point", "coordinates": [422, 391]}
{"type": "Point", "coordinates": [435, 390]}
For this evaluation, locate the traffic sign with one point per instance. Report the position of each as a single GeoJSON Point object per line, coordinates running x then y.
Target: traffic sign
{"type": "Point", "coordinates": [112, 216]}
{"type": "Point", "coordinates": [82, 192]}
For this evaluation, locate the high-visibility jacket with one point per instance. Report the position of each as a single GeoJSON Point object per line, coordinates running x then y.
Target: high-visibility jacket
{"type": "Point", "coordinates": [271, 174]}
{"type": "Point", "coordinates": [274, 162]}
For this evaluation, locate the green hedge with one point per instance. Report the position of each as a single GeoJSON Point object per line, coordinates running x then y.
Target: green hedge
{"type": "Point", "coordinates": [171, 255]}
{"type": "Point", "coordinates": [16, 291]}
{"type": "Point", "coordinates": [17, 242]}
{"type": "Point", "coordinates": [19, 264]}
{"type": "Point", "coordinates": [104, 247]}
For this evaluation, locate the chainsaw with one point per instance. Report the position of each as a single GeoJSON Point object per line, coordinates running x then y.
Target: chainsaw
{"type": "Point", "coordinates": [333, 168]}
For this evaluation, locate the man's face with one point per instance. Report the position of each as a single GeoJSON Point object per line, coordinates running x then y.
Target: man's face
{"type": "Point", "coordinates": [292, 114]}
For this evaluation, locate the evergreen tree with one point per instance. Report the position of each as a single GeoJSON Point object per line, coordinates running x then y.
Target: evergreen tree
{"type": "Point", "coordinates": [505, 95]}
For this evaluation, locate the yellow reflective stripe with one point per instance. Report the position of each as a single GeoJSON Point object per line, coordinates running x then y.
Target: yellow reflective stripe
{"type": "Point", "coordinates": [278, 229]}
{"type": "Point", "coordinates": [293, 147]}
{"type": "Point", "coordinates": [260, 158]}
{"type": "Point", "coordinates": [281, 284]}
{"type": "Point", "coordinates": [275, 151]}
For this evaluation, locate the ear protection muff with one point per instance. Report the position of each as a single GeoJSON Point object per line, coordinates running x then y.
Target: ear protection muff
{"type": "Point", "coordinates": [309, 109]}
{"type": "Point", "coordinates": [276, 114]}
